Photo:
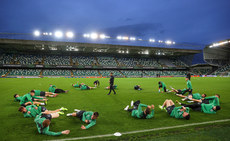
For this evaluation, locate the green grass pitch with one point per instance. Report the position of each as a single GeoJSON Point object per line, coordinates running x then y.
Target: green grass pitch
{"type": "Point", "coordinates": [13, 126]}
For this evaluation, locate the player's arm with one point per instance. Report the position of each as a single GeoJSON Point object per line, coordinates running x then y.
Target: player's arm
{"type": "Point", "coordinates": [140, 107]}
{"type": "Point", "coordinates": [92, 123]}
{"type": "Point", "coordinates": [151, 114]}
{"type": "Point", "coordinates": [27, 115]}
{"type": "Point", "coordinates": [37, 97]}
{"type": "Point", "coordinates": [47, 132]}
{"type": "Point", "coordinates": [180, 95]}
{"type": "Point", "coordinates": [210, 97]}
{"type": "Point", "coordinates": [29, 98]}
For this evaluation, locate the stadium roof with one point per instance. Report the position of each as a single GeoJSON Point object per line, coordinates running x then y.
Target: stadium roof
{"type": "Point", "coordinates": [36, 45]}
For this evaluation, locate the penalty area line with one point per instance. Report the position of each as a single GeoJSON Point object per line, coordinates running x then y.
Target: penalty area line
{"type": "Point", "coordinates": [141, 131]}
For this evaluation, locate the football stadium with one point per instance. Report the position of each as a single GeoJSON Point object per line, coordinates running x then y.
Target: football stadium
{"type": "Point", "coordinates": [68, 85]}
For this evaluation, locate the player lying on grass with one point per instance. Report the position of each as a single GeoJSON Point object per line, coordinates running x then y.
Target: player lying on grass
{"type": "Point", "coordinates": [54, 89]}
{"type": "Point", "coordinates": [76, 85]}
{"type": "Point", "coordinates": [96, 83]}
{"type": "Point", "coordinates": [205, 108]}
{"type": "Point", "coordinates": [177, 112]}
{"type": "Point", "coordinates": [85, 87]}
{"type": "Point", "coordinates": [179, 91]}
{"type": "Point", "coordinates": [29, 99]}
{"type": "Point", "coordinates": [209, 100]}
{"type": "Point", "coordinates": [189, 87]}
{"type": "Point", "coordinates": [137, 110]}
{"type": "Point", "coordinates": [43, 94]}
{"type": "Point", "coordinates": [163, 86]}
{"type": "Point", "coordinates": [43, 121]}
{"type": "Point", "coordinates": [33, 111]}
{"type": "Point", "coordinates": [196, 96]}
{"type": "Point", "coordinates": [137, 87]}
{"type": "Point", "coordinates": [114, 87]}
{"type": "Point", "coordinates": [85, 116]}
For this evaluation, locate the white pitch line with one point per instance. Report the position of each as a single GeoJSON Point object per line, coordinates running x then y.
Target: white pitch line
{"type": "Point", "coordinates": [140, 131]}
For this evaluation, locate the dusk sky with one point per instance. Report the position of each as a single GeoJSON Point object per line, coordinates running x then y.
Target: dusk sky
{"type": "Point", "coordinates": [193, 21]}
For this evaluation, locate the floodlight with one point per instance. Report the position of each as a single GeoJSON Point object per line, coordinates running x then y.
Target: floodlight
{"type": "Point", "coordinates": [151, 40]}
{"type": "Point", "coordinates": [94, 35]}
{"type": "Point", "coordinates": [86, 35]}
{"type": "Point", "coordinates": [58, 34]}
{"type": "Point", "coordinates": [119, 37]}
{"type": "Point", "coordinates": [102, 36]}
{"type": "Point", "coordinates": [125, 38]}
{"type": "Point", "coordinates": [168, 42]}
{"type": "Point", "coordinates": [132, 38]}
{"type": "Point", "coordinates": [69, 34]}
{"type": "Point", "coordinates": [36, 33]}
{"type": "Point", "coordinates": [50, 33]}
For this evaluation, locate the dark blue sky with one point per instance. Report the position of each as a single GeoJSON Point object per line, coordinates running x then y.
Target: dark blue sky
{"type": "Point", "coordinates": [193, 21]}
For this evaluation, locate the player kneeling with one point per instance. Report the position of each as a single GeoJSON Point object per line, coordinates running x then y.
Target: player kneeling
{"type": "Point", "coordinates": [43, 121]}
{"type": "Point", "coordinates": [87, 117]}
{"type": "Point", "coordinates": [137, 110]}
{"type": "Point", "coordinates": [177, 112]}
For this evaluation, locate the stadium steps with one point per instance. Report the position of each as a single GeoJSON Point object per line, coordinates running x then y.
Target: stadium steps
{"type": "Point", "coordinates": [71, 72]}
{"type": "Point", "coordinates": [96, 60]}
{"type": "Point", "coordinates": [41, 72]}
{"type": "Point", "coordinates": [71, 60]}
{"type": "Point", "coordinates": [7, 73]}
{"type": "Point", "coordinates": [99, 73]}
{"type": "Point", "coordinates": [122, 73]}
{"type": "Point", "coordinates": [118, 64]}
{"type": "Point", "coordinates": [43, 60]}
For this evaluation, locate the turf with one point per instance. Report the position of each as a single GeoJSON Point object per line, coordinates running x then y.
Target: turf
{"type": "Point", "coordinates": [112, 116]}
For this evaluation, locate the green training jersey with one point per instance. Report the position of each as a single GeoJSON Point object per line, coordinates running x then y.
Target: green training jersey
{"type": "Point", "coordinates": [84, 87]}
{"type": "Point", "coordinates": [27, 98]}
{"type": "Point", "coordinates": [140, 114]}
{"type": "Point", "coordinates": [39, 120]}
{"type": "Point", "coordinates": [207, 108]}
{"type": "Point", "coordinates": [177, 113]}
{"type": "Point", "coordinates": [52, 88]}
{"type": "Point", "coordinates": [87, 116]}
{"type": "Point", "coordinates": [37, 92]}
{"type": "Point", "coordinates": [163, 85]}
{"type": "Point", "coordinates": [115, 86]}
{"type": "Point", "coordinates": [32, 110]}
{"type": "Point", "coordinates": [213, 100]}
{"type": "Point", "coordinates": [196, 96]}
{"type": "Point", "coordinates": [18, 98]}
{"type": "Point", "coordinates": [189, 84]}
{"type": "Point", "coordinates": [77, 85]}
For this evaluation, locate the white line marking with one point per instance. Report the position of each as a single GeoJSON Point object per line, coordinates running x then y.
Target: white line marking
{"type": "Point", "coordinates": [140, 131]}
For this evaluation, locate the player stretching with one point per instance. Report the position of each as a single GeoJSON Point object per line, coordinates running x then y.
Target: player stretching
{"type": "Point", "coordinates": [137, 110]}
{"type": "Point", "coordinates": [163, 86]}
{"type": "Point", "coordinates": [33, 111]}
{"type": "Point", "coordinates": [54, 89]}
{"type": "Point", "coordinates": [177, 112]}
{"type": "Point", "coordinates": [87, 117]}
{"type": "Point", "coordinates": [43, 121]}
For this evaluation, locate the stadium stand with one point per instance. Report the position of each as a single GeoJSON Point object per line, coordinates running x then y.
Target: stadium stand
{"type": "Point", "coordinates": [3, 71]}
{"type": "Point", "coordinates": [106, 61]}
{"type": "Point", "coordinates": [24, 72]}
{"type": "Point", "coordinates": [57, 60]}
{"type": "Point", "coordinates": [132, 73]}
{"type": "Point", "coordinates": [56, 73]}
{"type": "Point", "coordinates": [6, 59]}
{"type": "Point", "coordinates": [106, 73]}
{"type": "Point", "coordinates": [84, 60]}
{"type": "Point", "coordinates": [127, 62]}
{"type": "Point", "coordinates": [85, 73]}
{"type": "Point", "coordinates": [148, 62]}
{"type": "Point", "coordinates": [28, 59]}
{"type": "Point", "coordinates": [224, 70]}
